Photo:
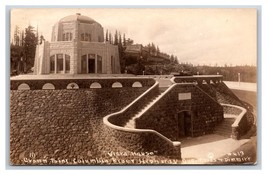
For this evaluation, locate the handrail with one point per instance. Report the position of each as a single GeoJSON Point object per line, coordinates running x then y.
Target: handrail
{"type": "Point", "coordinates": [240, 116]}
{"type": "Point", "coordinates": [134, 130]}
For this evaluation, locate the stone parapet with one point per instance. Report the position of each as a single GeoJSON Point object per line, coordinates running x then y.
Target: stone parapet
{"type": "Point", "coordinates": [240, 126]}
{"type": "Point", "coordinates": [35, 84]}
{"type": "Point", "coordinates": [199, 79]}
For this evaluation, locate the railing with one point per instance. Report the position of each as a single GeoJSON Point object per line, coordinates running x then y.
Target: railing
{"type": "Point", "coordinates": [240, 125]}
{"type": "Point", "coordinates": [199, 79]}
{"type": "Point", "coordinates": [139, 138]}
{"type": "Point", "coordinates": [37, 84]}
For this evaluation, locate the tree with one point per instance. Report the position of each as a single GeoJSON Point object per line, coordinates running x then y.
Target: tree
{"type": "Point", "coordinates": [30, 42]}
{"type": "Point", "coordinates": [110, 38]}
{"type": "Point", "coordinates": [153, 49]}
{"type": "Point", "coordinates": [16, 36]}
{"type": "Point", "coordinates": [116, 41]}
{"type": "Point", "coordinates": [120, 42]}
{"type": "Point", "coordinates": [172, 58]}
{"type": "Point", "coordinates": [176, 60]}
{"type": "Point", "coordinates": [157, 51]}
{"type": "Point", "coordinates": [124, 40]}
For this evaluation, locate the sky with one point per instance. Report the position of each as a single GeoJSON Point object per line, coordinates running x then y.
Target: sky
{"type": "Point", "coordinates": [200, 36]}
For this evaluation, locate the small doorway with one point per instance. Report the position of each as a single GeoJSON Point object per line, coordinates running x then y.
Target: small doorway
{"type": "Point", "coordinates": [91, 65]}
{"type": "Point", "coordinates": [185, 124]}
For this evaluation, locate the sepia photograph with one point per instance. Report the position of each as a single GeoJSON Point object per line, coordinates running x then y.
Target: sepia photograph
{"type": "Point", "coordinates": [133, 86]}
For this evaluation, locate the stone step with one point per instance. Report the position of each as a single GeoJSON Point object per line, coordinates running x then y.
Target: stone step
{"type": "Point", "coordinates": [223, 134]}
{"type": "Point", "coordinates": [131, 122]}
{"type": "Point", "coordinates": [225, 128]}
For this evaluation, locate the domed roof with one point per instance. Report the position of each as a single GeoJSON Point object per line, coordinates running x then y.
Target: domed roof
{"type": "Point", "coordinates": [78, 17]}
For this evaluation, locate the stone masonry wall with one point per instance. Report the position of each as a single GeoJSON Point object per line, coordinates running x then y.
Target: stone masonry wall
{"type": "Point", "coordinates": [145, 142]}
{"type": "Point", "coordinates": [63, 124]}
{"type": "Point", "coordinates": [162, 116]}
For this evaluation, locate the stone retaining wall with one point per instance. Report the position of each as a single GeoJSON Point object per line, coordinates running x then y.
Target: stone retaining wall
{"type": "Point", "coordinates": [64, 124]}
{"type": "Point", "coordinates": [145, 141]}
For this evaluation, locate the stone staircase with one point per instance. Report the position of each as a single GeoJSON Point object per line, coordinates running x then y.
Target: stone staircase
{"type": "Point", "coordinates": [131, 122]}
{"type": "Point", "coordinates": [225, 128]}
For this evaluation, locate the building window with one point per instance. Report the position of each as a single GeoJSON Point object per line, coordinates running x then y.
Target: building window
{"type": "Point", "coordinates": [85, 37]}
{"type": "Point", "coordinates": [99, 64]}
{"type": "Point", "coordinates": [52, 64]}
{"type": "Point", "coordinates": [67, 63]}
{"type": "Point", "coordinates": [91, 63]}
{"type": "Point", "coordinates": [82, 37]}
{"type": "Point", "coordinates": [88, 64]}
{"type": "Point", "coordinates": [70, 36]}
{"type": "Point", "coordinates": [67, 36]}
{"type": "Point", "coordinates": [59, 62]}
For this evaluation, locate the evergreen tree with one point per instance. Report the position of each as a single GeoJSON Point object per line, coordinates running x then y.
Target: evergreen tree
{"type": "Point", "coordinates": [176, 60]}
{"type": "Point", "coordinates": [30, 42]}
{"type": "Point", "coordinates": [157, 51]}
{"type": "Point", "coordinates": [172, 58]}
{"type": "Point", "coordinates": [120, 42]}
{"type": "Point", "coordinates": [22, 39]}
{"type": "Point", "coordinates": [153, 49]}
{"type": "Point", "coordinates": [16, 36]}
{"type": "Point", "coordinates": [149, 48]}
{"type": "Point", "coordinates": [116, 38]}
{"type": "Point", "coordinates": [124, 40]}
{"type": "Point", "coordinates": [110, 38]}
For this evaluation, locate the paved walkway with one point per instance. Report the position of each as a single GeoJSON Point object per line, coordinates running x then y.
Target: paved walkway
{"type": "Point", "coordinates": [208, 146]}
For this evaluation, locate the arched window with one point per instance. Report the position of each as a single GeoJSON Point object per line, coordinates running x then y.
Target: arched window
{"type": "Point", "coordinates": [67, 36]}
{"type": "Point", "coordinates": [85, 37]}
{"type": "Point", "coordinates": [60, 63]}
{"type": "Point", "coordinates": [70, 36]}
{"type": "Point", "coordinates": [137, 84]}
{"type": "Point", "coordinates": [82, 37]}
{"type": "Point", "coordinates": [117, 85]}
{"type": "Point", "coordinates": [48, 86]}
{"type": "Point", "coordinates": [72, 86]}
{"type": "Point", "coordinates": [95, 85]}
{"type": "Point", "coordinates": [24, 86]}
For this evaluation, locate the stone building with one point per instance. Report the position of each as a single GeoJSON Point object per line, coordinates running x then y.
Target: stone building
{"type": "Point", "coordinates": [77, 47]}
